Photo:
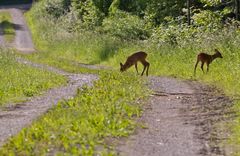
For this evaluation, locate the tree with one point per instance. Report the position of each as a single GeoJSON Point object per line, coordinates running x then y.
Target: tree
{"type": "Point", "coordinates": [237, 5]}
{"type": "Point", "coordinates": [188, 12]}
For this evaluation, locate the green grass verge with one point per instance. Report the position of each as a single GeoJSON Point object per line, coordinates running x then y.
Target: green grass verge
{"type": "Point", "coordinates": [7, 26]}
{"type": "Point", "coordinates": [81, 125]}
{"type": "Point", "coordinates": [19, 81]}
{"type": "Point", "coordinates": [63, 50]}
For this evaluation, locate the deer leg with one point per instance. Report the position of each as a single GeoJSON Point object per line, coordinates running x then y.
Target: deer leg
{"type": "Point", "coordinates": [195, 67]}
{"type": "Point", "coordinates": [207, 68]}
{"type": "Point", "coordinates": [136, 67]}
{"type": "Point", "coordinates": [148, 64]}
{"type": "Point", "coordinates": [145, 64]}
{"type": "Point", "coordinates": [143, 70]}
{"type": "Point", "coordinates": [202, 67]}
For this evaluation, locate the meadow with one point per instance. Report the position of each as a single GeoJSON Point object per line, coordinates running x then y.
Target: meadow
{"type": "Point", "coordinates": [167, 59]}
{"type": "Point", "coordinates": [82, 125]}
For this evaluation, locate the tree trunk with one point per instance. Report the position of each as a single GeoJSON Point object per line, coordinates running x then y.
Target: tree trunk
{"type": "Point", "coordinates": [237, 5]}
{"type": "Point", "coordinates": [188, 13]}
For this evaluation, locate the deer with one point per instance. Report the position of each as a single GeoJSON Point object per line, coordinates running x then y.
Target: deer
{"type": "Point", "coordinates": [133, 60]}
{"type": "Point", "coordinates": [206, 58]}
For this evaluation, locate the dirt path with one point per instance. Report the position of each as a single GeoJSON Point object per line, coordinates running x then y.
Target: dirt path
{"type": "Point", "coordinates": [180, 118]}
{"type": "Point", "coordinates": [17, 116]}
{"type": "Point", "coordinates": [14, 118]}
{"type": "Point", "coordinates": [23, 40]}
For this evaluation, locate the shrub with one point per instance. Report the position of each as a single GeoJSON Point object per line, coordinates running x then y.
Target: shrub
{"type": "Point", "coordinates": [57, 8]}
{"type": "Point", "coordinates": [125, 26]}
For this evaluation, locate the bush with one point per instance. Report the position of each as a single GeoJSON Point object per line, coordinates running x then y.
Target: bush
{"type": "Point", "coordinates": [125, 26]}
{"type": "Point", "coordinates": [84, 14]}
{"type": "Point", "coordinates": [207, 19]}
{"type": "Point", "coordinates": [57, 8]}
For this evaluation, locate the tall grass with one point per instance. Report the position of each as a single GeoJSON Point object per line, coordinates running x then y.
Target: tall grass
{"type": "Point", "coordinates": [19, 81]}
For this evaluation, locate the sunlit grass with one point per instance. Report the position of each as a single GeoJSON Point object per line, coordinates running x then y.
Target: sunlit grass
{"type": "Point", "coordinates": [19, 81]}
{"type": "Point", "coordinates": [80, 126]}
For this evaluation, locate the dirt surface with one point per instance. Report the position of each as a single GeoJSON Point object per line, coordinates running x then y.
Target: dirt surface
{"type": "Point", "coordinates": [181, 119]}
{"type": "Point", "coordinates": [15, 117]}
{"type": "Point", "coordinates": [23, 40]}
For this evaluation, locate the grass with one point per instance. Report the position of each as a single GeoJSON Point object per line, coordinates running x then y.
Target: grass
{"type": "Point", "coordinates": [63, 50]}
{"type": "Point", "coordinates": [7, 26]}
{"type": "Point", "coordinates": [80, 126]}
{"type": "Point", "coordinates": [19, 81]}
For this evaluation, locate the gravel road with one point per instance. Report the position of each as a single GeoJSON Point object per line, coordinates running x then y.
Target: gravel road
{"type": "Point", "coordinates": [180, 119]}
{"type": "Point", "coordinates": [23, 40]}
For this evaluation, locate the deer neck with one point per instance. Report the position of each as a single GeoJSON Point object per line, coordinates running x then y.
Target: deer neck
{"type": "Point", "coordinates": [213, 57]}
{"type": "Point", "coordinates": [126, 65]}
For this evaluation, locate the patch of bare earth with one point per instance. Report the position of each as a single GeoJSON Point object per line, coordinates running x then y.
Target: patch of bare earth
{"type": "Point", "coordinates": [181, 118]}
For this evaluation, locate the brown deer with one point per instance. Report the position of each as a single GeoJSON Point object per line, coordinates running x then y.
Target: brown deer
{"type": "Point", "coordinates": [133, 59]}
{"type": "Point", "coordinates": [205, 58]}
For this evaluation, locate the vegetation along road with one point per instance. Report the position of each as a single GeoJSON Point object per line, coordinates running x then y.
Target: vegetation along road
{"type": "Point", "coordinates": [65, 95]}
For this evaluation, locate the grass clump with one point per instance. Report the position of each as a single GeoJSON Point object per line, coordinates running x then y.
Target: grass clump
{"type": "Point", "coordinates": [7, 26]}
{"type": "Point", "coordinates": [80, 126]}
{"type": "Point", "coordinates": [19, 81]}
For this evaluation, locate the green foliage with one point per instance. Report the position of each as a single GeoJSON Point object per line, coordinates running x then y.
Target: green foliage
{"type": "Point", "coordinates": [103, 5]}
{"type": "Point", "coordinates": [114, 7]}
{"type": "Point", "coordinates": [211, 2]}
{"type": "Point", "coordinates": [19, 81]}
{"type": "Point", "coordinates": [57, 8]}
{"type": "Point", "coordinates": [125, 26]}
{"type": "Point", "coordinates": [86, 13]}
{"type": "Point", "coordinates": [80, 126]}
{"type": "Point", "coordinates": [157, 10]}
{"type": "Point", "coordinates": [207, 19]}
{"type": "Point", "coordinates": [136, 7]}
